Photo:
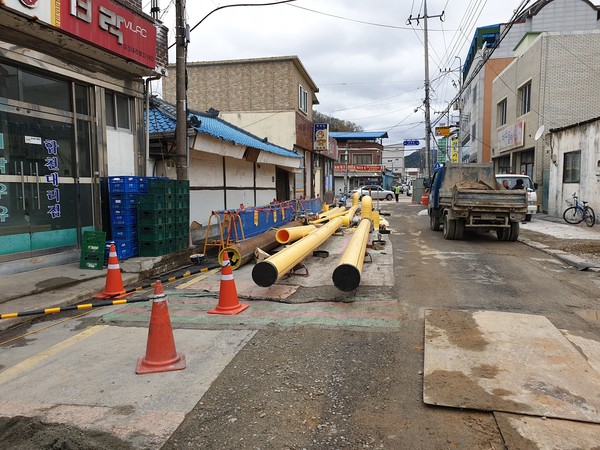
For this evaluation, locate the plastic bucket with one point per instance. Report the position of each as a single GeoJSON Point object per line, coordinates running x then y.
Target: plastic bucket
{"type": "Point", "coordinates": [425, 199]}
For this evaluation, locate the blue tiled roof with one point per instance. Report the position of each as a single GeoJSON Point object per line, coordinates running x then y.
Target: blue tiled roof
{"type": "Point", "coordinates": [162, 120]}
{"type": "Point", "coordinates": [359, 135]}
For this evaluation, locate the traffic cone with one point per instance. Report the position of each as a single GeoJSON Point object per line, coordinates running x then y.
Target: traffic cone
{"type": "Point", "coordinates": [228, 297]}
{"type": "Point", "coordinates": [114, 283]}
{"type": "Point", "coordinates": [161, 355]}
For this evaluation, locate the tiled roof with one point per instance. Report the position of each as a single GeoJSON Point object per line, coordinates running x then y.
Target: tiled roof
{"type": "Point", "coordinates": [162, 120]}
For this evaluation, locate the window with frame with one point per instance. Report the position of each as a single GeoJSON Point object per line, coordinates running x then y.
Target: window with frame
{"type": "Point", "coordinates": [473, 132]}
{"type": "Point", "coordinates": [502, 113]}
{"type": "Point", "coordinates": [30, 87]}
{"type": "Point", "coordinates": [525, 98]}
{"type": "Point", "coordinates": [343, 157]}
{"type": "Point", "coordinates": [362, 158]}
{"type": "Point", "coordinates": [572, 167]}
{"type": "Point", "coordinates": [302, 99]}
{"type": "Point", "coordinates": [118, 111]}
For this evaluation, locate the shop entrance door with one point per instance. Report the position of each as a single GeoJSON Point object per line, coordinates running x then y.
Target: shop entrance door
{"type": "Point", "coordinates": [42, 205]}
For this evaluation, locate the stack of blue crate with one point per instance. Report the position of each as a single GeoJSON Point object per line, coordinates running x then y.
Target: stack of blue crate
{"type": "Point", "coordinates": [124, 192]}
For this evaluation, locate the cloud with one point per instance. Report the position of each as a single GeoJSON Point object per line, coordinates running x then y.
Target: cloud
{"type": "Point", "coordinates": [372, 75]}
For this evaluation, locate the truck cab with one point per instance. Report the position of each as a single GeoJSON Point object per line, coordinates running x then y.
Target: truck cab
{"type": "Point", "coordinates": [528, 185]}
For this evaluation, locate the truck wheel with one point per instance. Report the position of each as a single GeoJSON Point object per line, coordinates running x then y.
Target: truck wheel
{"type": "Point", "coordinates": [389, 197]}
{"type": "Point", "coordinates": [459, 229]}
{"type": "Point", "coordinates": [503, 234]}
{"type": "Point", "coordinates": [449, 228]}
{"type": "Point", "coordinates": [434, 222]}
{"type": "Point", "coordinates": [515, 228]}
{"type": "Point", "coordinates": [509, 234]}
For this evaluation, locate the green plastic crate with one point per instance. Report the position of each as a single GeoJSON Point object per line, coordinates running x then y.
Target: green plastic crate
{"type": "Point", "coordinates": [157, 185]}
{"type": "Point", "coordinates": [182, 201]}
{"type": "Point", "coordinates": [182, 216]}
{"type": "Point", "coordinates": [153, 248]}
{"type": "Point", "coordinates": [92, 261]}
{"type": "Point", "coordinates": [154, 202]}
{"type": "Point", "coordinates": [182, 187]}
{"type": "Point", "coordinates": [93, 242]}
{"type": "Point", "coordinates": [152, 232]}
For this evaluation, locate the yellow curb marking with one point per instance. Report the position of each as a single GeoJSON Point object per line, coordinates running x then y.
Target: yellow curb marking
{"type": "Point", "coordinates": [198, 278]}
{"type": "Point", "coordinates": [13, 371]}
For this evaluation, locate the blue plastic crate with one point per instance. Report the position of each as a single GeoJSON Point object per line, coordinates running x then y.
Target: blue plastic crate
{"type": "Point", "coordinates": [143, 185]}
{"type": "Point", "coordinates": [124, 232]}
{"type": "Point", "coordinates": [123, 184]}
{"type": "Point", "coordinates": [128, 217]}
{"type": "Point", "coordinates": [126, 249]}
{"type": "Point", "coordinates": [123, 201]}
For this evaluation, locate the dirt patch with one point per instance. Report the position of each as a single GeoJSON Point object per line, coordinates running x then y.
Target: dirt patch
{"type": "Point", "coordinates": [588, 250]}
{"type": "Point", "coordinates": [26, 433]}
{"type": "Point", "coordinates": [460, 327]}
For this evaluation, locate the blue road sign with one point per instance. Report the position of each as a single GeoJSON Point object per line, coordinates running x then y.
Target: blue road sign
{"type": "Point", "coordinates": [410, 142]}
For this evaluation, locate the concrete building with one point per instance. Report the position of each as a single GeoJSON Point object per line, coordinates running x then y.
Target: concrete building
{"type": "Point", "coordinates": [575, 165]}
{"type": "Point", "coordinates": [549, 85]}
{"type": "Point", "coordinates": [393, 160]}
{"type": "Point", "coordinates": [72, 94]}
{"type": "Point", "coordinates": [269, 97]}
{"type": "Point", "coordinates": [482, 66]}
{"type": "Point", "coordinates": [359, 159]}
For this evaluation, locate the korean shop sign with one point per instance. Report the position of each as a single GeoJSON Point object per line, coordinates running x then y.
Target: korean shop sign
{"type": "Point", "coordinates": [99, 22]}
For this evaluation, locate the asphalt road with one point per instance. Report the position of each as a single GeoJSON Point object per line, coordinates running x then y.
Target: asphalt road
{"type": "Point", "coordinates": [350, 377]}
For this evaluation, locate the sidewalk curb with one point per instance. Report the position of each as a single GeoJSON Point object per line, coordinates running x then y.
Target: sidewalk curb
{"type": "Point", "coordinates": [568, 258]}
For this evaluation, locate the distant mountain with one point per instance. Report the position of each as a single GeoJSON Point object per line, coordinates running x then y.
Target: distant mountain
{"type": "Point", "coordinates": [415, 160]}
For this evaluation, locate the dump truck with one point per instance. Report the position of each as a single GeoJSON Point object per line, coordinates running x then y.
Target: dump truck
{"type": "Point", "coordinates": [468, 197]}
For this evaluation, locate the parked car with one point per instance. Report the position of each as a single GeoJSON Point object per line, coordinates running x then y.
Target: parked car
{"type": "Point", "coordinates": [376, 192]}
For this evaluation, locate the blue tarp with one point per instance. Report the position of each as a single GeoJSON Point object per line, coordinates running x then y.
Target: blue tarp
{"type": "Point", "coordinates": [257, 220]}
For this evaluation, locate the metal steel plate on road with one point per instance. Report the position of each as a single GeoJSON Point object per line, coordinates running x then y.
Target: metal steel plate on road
{"type": "Point", "coordinates": [507, 362]}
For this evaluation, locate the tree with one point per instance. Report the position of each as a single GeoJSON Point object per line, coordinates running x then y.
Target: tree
{"type": "Point", "coordinates": [334, 123]}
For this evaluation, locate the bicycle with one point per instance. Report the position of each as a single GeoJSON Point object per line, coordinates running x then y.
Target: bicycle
{"type": "Point", "coordinates": [578, 212]}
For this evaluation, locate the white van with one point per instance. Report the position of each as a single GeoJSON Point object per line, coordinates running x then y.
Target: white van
{"type": "Point", "coordinates": [527, 184]}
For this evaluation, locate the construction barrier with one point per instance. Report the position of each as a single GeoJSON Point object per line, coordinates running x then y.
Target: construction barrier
{"type": "Point", "coordinates": [229, 302]}
{"type": "Point", "coordinates": [114, 282]}
{"type": "Point", "coordinates": [37, 312]}
{"type": "Point", "coordinates": [161, 355]}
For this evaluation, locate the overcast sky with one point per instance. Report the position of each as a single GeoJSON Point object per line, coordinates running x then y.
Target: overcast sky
{"type": "Point", "coordinates": [367, 62]}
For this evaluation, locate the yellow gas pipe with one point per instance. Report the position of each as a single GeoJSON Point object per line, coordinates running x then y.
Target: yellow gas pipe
{"type": "Point", "coordinates": [336, 210]}
{"type": "Point", "coordinates": [346, 276]}
{"type": "Point", "coordinates": [267, 272]}
{"type": "Point", "coordinates": [287, 235]}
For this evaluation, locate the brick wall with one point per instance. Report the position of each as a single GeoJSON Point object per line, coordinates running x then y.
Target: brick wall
{"type": "Point", "coordinates": [242, 86]}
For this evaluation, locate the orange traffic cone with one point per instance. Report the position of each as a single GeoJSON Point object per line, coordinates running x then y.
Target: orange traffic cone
{"type": "Point", "coordinates": [161, 355]}
{"type": "Point", "coordinates": [114, 283]}
{"type": "Point", "coordinates": [228, 297]}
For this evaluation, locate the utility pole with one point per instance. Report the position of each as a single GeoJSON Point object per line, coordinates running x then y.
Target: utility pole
{"type": "Point", "coordinates": [346, 172]}
{"type": "Point", "coordinates": [427, 85]}
{"type": "Point", "coordinates": [181, 40]}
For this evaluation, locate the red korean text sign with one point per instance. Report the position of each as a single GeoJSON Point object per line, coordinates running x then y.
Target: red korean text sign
{"type": "Point", "coordinates": [110, 27]}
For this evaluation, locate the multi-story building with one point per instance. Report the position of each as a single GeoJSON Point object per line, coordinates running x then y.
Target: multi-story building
{"type": "Point", "coordinates": [359, 159]}
{"type": "Point", "coordinates": [270, 97]}
{"type": "Point", "coordinates": [393, 160]}
{"type": "Point", "coordinates": [482, 65]}
{"type": "Point", "coordinates": [72, 96]}
{"type": "Point", "coordinates": [550, 84]}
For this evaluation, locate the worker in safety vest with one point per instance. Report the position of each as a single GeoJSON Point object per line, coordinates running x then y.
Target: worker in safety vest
{"type": "Point", "coordinates": [397, 191]}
